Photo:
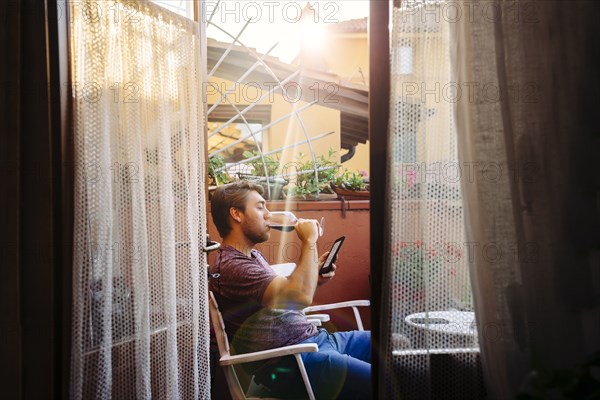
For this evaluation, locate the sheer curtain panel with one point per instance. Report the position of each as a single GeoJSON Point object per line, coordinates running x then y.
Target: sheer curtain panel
{"type": "Point", "coordinates": [140, 315]}
{"type": "Point", "coordinates": [532, 139]}
{"type": "Point", "coordinates": [429, 334]}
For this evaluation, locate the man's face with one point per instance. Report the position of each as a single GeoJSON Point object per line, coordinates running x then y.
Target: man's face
{"type": "Point", "coordinates": [255, 221]}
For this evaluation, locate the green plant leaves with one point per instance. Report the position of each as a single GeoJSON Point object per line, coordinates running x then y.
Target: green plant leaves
{"type": "Point", "coordinates": [216, 172]}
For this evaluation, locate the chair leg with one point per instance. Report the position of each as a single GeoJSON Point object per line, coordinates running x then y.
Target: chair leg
{"type": "Point", "coordinates": [358, 319]}
{"type": "Point", "coordinates": [234, 383]}
{"type": "Point", "coordinates": [309, 390]}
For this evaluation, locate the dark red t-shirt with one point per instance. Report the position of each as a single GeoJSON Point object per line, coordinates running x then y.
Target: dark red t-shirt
{"type": "Point", "coordinates": [238, 283]}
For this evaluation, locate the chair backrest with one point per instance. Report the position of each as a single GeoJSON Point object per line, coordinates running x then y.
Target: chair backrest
{"type": "Point", "coordinates": [218, 325]}
{"type": "Point", "coordinates": [235, 388]}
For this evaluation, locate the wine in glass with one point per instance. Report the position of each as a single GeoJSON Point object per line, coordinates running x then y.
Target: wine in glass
{"type": "Point", "coordinates": [285, 221]}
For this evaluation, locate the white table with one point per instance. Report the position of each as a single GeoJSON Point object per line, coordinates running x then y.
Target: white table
{"type": "Point", "coordinates": [284, 269]}
{"type": "Point", "coordinates": [448, 322]}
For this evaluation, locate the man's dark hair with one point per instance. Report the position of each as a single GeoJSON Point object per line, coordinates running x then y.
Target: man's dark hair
{"type": "Point", "coordinates": [227, 196]}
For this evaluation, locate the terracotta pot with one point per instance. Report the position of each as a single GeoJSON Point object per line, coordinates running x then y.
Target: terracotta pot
{"type": "Point", "coordinates": [351, 194]}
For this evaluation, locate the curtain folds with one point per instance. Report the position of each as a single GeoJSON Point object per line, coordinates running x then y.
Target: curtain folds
{"type": "Point", "coordinates": [530, 140]}
{"type": "Point", "coordinates": [429, 334]}
{"type": "Point", "coordinates": [140, 317]}
{"type": "Point", "coordinates": [488, 202]}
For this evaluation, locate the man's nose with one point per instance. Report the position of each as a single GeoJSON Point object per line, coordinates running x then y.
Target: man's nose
{"type": "Point", "coordinates": [268, 215]}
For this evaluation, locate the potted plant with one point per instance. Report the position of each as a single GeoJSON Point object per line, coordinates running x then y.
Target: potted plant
{"type": "Point", "coordinates": [217, 173]}
{"type": "Point", "coordinates": [309, 185]}
{"type": "Point", "coordinates": [275, 185]}
{"type": "Point", "coordinates": [351, 185]}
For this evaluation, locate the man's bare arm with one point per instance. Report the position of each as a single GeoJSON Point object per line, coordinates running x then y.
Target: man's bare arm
{"type": "Point", "coordinates": [297, 290]}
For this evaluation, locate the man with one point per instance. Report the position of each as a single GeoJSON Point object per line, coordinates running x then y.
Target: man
{"type": "Point", "coordinates": [263, 310]}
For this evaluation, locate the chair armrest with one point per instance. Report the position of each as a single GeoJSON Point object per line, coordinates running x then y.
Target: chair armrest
{"type": "Point", "coordinates": [319, 317]}
{"type": "Point", "coordinates": [353, 303]}
{"type": "Point", "coordinates": [332, 306]}
{"type": "Point", "coordinates": [271, 353]}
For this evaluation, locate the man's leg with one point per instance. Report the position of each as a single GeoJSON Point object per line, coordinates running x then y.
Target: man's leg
{"type": "Point", "coordinates": [356, 344]}
{"type": "Point", "coordinates": [334, 375]}
{"type": "Point", "coordinates": [341, 368]}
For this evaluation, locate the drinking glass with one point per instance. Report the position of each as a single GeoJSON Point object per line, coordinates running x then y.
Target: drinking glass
{"type": "Point", "coordinates": [285, 221]}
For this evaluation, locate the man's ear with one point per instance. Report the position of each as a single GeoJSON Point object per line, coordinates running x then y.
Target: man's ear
{"type": "Point", "coordinates": [235, 214]}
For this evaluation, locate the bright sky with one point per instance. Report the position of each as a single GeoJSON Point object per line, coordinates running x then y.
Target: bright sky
{"type": "Point", "coordinates": [278, 21]}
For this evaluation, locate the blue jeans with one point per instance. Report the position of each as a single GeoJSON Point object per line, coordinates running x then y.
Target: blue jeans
{"type": "Point", "coordinates": [341, 369]}
{"type": "Point", "coordinates": [342, 366]}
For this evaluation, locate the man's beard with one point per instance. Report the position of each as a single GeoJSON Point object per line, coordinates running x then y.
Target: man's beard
{"type": "Point", "coordinates": [255, 236]}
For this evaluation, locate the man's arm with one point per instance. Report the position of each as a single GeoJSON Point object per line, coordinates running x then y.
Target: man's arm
{"type": "Point", "coordinates": [297, 290]}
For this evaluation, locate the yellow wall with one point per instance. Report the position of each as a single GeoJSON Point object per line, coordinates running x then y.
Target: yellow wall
{"type": "Point", "coordinates": [345, 54]}
{"type": "Point", "coordinates": [360, 161]}
{"type": "Point", "coordinates": [316, 120]}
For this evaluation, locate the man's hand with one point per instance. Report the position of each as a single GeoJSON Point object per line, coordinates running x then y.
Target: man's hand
{"type": "Point", "coordinates": [307, 230]}
{"type": "Point", "coordinates": [326, 277]}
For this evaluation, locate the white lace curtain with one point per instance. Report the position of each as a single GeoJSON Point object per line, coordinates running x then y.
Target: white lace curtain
{"type": "Point", "coordinates": [140, 317]}
{"type": "Point", "coordinates": [430, 336]}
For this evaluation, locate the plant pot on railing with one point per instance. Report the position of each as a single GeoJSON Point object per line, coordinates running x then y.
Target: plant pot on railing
{"type": "Point", "coordinates": [309, 191]}
{"type": "Point", "coordinates": [350, 194]}
{"type": "Point", "coordinates": [310, 196]}
{"type": "Point", "coordinates": [351, 185]}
